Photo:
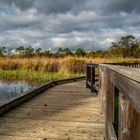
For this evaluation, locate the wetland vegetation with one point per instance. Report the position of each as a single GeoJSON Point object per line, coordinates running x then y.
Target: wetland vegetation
{"type": "Point", "coordinates": [35, 66]}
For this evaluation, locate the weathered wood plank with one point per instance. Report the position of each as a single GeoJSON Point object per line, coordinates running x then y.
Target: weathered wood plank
{"type": "Point", "coordinates": [11, 103]}
{"type": "Point", "coordinates": [55, 114]}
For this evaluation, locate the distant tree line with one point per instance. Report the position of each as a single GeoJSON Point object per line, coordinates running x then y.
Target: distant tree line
{"type": "Point", "coordinates": [128, 46]}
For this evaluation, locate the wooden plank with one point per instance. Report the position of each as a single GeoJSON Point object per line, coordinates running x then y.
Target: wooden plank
{"type": "Point", "coordinates": [56, 115]}
{"type": "Point", "coordinates": [11, 103]}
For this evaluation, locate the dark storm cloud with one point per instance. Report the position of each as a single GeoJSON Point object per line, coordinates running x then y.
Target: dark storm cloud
{"type": "Point", "coordinates": [46, 6]}
{"type": "Point", "coordinates": [22, 4]}
{"type": "Point", "coordinates": [57, 6]}
{"type": "Point", "coordinates": [62, 23]}
{"type": "Point", "coordinates": [127, 6]}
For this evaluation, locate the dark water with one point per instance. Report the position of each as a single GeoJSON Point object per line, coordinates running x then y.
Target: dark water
{"type": "Point", "coordinates": [11, 89]}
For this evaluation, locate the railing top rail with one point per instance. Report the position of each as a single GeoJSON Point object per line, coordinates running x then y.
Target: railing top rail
{"type": "Point", "coordinates": [116, 63]}
{"type": "Point", "coordinates": [123, 63]}
{"type": "Point", "coordinates": [129, 72]}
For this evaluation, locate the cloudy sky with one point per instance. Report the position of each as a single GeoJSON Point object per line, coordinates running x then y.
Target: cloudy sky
{"type": "Point", "coordinates": [50, 24]}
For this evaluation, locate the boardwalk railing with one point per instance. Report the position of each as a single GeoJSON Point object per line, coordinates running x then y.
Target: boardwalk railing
{"type": "Point", "coordinates": [92, 71]}
{"type": "Point", "coordinates": [119, 92]}
{"type": "Point", "coordinates": [91, 75]}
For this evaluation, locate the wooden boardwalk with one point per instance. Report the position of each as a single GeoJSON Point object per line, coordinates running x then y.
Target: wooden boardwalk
{"type": "Point", "coordinates": [64, 112]}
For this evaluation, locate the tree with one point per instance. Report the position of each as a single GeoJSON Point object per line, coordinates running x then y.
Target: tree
{"type": "Point", "coordinates": [20, 49]}
{"type": "Point", "coordinates": [126, 43]}
{"type": "Point", "coordinates": [38, 51]}
{"type": "Point", "coordinates": [128, 46]}
{"type": "Point", "coordinates": [2, 51]}
{"type": "Point", "coordinates": [29, 51]}
{"type": "Point", "coordinates": [9, 52]}
{"type": "Point", "coordinates": [90, 53]}
{"type": "Point", "coordinates": [80, 52]}
{"type": "Point", "coordinates": [115, 50]}
{"type": "Point", "coordinates": [67, 51]}
{"type": "Point", "coordinates": [48, 53]}
{"type": "Point", "coordinates": [60, 52]}
{"type": "Point", "coordinates": [135, 50]}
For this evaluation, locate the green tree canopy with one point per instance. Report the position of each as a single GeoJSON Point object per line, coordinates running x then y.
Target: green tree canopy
{"type": "Point", "coordinates": [2, 51]}
{"type": "Point", "coordinates": [29, 51]}
{"type": "Point", "coordinates": [20, 49]}
{"type": "Point", "coordinates": [38, 51]}
{"type": "Point", "coordinates": [67, 51]}
{"type": "Point", "coordinates": [128, 46]}
{"type": "Point", "coordinates": [80, 52]}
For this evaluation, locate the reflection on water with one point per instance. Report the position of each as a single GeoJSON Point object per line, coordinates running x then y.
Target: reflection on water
{"type": "Point", "coordinates": [9, 90]}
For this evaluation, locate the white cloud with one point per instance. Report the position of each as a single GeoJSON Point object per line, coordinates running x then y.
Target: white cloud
{"type": "Point", "coordinates": [81, 23]}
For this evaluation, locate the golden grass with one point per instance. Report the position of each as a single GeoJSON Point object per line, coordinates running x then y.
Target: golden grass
{"type": "Point", "coordinates": [64, 65]}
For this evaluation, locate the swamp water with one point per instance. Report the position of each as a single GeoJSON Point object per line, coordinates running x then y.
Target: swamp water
{"type": "Point", "coordinates": [9, 90]}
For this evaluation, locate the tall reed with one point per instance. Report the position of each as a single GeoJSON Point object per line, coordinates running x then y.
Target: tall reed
{"type": "Point", "coordinates": [64, 65]}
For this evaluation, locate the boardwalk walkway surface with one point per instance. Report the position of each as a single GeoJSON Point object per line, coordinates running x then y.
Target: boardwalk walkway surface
{"type": "Point", "coordinates": [64, 112]}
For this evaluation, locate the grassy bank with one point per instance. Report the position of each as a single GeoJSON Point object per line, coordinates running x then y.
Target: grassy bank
{"type": "Point", "coordinates": [32, 76]}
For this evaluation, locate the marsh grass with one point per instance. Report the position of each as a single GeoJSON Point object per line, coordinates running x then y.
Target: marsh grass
{"type": "Point", "coordinates": [65, 65]}
{"type": "Point", "coordinates": [32, 76]}
{"type": "Point", "coordinates": [42, 69]}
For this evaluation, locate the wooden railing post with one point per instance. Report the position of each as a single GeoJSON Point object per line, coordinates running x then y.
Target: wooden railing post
{"type": "Point", "coordinates": [109, 108]}
{"type": "Point", "coordinates": [87, 76]}
{"type": "Point", "coordinates": [101, 88]}
{"type": "Point", "coordinates": [109, 97]}
{"type": "Point", "coordinates": [92, 79]}
{"type": "Point", "coordinates": [129, 120]}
